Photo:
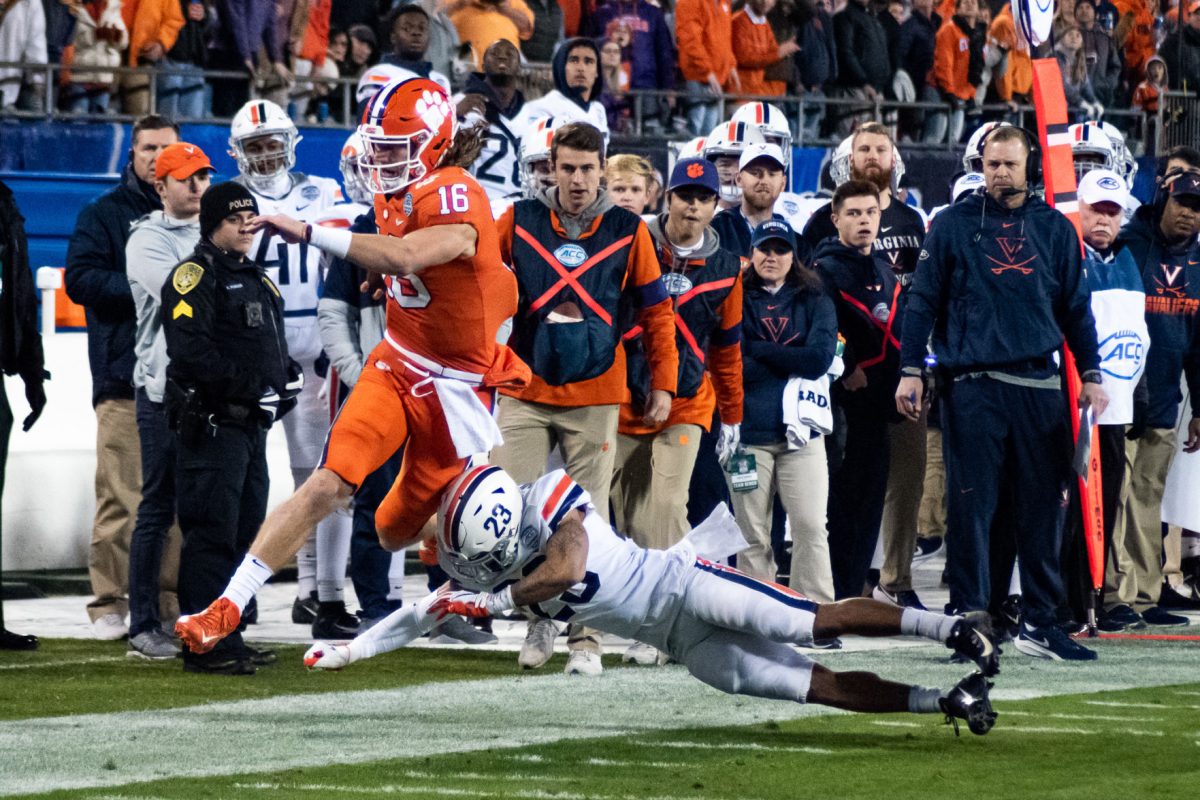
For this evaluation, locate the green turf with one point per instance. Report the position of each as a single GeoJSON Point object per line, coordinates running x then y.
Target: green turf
{"type": "Point", "coordinates": [105, 680]}
{"type": "Point", "coordinates": [1093, 751]}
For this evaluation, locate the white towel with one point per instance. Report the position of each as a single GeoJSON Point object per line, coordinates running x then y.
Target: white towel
{"type": "Point", "coordinates": [717, 537]}
{"type": "Point", "coordinates": [806, 409]}
{"type": "Point", "coordinates": [473, 428]}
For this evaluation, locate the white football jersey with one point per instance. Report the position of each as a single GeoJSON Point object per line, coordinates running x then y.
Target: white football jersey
{"type": "Point", "coordinates": [556, 104]}
{"type": "Point", "coordinates": [296, 268]}
{"type": "Point", "coordinates": [797, 209]}
{"type": "Point", "coordinates": [624, 587]}
{"type": "Point", "coordinates": [498, 168]}
{"type": "Point", "coordinates": [374, 79]}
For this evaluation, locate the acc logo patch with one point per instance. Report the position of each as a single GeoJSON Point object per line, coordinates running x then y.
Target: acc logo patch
{"type": "Point", "coordinates": [790, 207]}
{"type": "Point", "coordinates": [677, 283]}
{"type": "Point", "coordinates": [1121, 355]}
{"type": "Point", "coordinates": [408, 204]}
{"type": "Point", "coordinates": [1108, 183]}
{"type": "Point", "coordinates": [881, 312]}
{"type": "Point", "coordinates": [310, 192]}
{"type": "Point", "coordinates": [182, 309]}
{"type": "Point", "coordinates": [187, 276]}
{"type": "Point", "coordinates": [570, 255]}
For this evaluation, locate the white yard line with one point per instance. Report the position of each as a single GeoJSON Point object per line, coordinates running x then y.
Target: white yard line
{"type": "Point", "coordinates": [1120, 704]}
{"type": "Point", "coordinates": [1098, 717]}
{"type": "Point", "coordinates": [820, 751]}
{"type": "Point", "coordinates": [73, 662]}
{"type": "Point", "coordinates": [447, 791]}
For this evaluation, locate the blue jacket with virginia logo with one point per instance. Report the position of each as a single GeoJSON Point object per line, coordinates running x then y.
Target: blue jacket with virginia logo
{"type": "Point", "coordinates": [999, 289]}
{"type": "Point", "coordinates": [1171, 277]}
{"type": "Point", "coordinates": [791, 333]}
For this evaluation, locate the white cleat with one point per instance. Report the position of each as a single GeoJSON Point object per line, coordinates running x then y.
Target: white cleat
{"type": "Point", "coordinates": [583, 662]}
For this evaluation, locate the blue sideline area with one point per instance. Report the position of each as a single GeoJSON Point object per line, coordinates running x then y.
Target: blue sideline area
{"type": "Point", "coordinates": [56, 167]}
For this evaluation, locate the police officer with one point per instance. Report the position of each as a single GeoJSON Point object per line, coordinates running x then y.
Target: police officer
{"type": "Point", "coordinates": [229, 378]}
{"type": "Point", "coordinates": [999, 284]}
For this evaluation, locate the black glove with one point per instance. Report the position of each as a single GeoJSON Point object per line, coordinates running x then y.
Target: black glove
{"type": "Point", "coordinates": [35, 394]}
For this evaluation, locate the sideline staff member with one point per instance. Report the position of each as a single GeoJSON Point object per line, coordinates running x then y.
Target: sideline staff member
{"type": "Point", "coordinates": [229, 378]}
{"type": "Point", "coordinates": [999, 284]}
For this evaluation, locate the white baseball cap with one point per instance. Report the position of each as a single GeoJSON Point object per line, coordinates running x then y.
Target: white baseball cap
{"type": "Point", "coordinates": [753, 152]}
{"type": "Point", "coordinates": [1103, 186]}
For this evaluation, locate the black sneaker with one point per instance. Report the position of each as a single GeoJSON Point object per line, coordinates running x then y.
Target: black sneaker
{"type": "Point", "coordinates": [1048, 641]}
{"type": "Point", "coordinates": [968, 641]}
{"type": "Point", "coordinates": [219, 664]}
{"type": "Point", "coordinates": [1010, 615]}
{"type": "Point", "coordinates": [333, 622]}
{"type": "Point", "coordinates": [259, 656]}
{"type": "Point", "coordinates": [927, 546]}
{"type": "Point", "coordinates": [902, 598]}
{"type": "Point", "coordinates": [1170, 598]}
{"type": "Point", "coordinates": [304, 612]}
{"type": "Point", "coordinates": [16, 641]}
{"type": "Point", "coordinates": [1157, 616]}
{"type": "Point", "coordinates": [968, 701]}
{"type": "Point", "coordinates": [1118, 618]}
{"type": "Point", "coordinates": [872, 582]}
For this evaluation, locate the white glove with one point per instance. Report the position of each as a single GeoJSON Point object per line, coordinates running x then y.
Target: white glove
{"type": "Point", "coordinates": [473, 604]}
{"type": "Point", "coordinates": [727, 442]}
{"type": "Point", "coordinates": [328, 656]}
{"type": "Point", "coordinates": [295, 385]}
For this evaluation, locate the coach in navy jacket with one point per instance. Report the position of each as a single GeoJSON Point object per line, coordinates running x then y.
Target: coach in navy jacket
{"type": "Point", "coordinates": [999, 285]}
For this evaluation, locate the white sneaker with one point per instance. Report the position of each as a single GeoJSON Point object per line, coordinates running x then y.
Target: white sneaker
{"type": "Point", "coordinates": [642, 654]}
{"type": "Point", "coordinates": [584, 662]}
{"type": "Point", "coordinates": [539, 643]}
{"type": "Point", "coordinates": [110, 627]}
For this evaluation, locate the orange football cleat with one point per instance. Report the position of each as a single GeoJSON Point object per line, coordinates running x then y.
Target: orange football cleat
{"type": "Point", "coordinates": [201, 632]}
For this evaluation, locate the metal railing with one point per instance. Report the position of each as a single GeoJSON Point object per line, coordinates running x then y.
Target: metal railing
{"type": "Point", "coordinates": [1176, 122]}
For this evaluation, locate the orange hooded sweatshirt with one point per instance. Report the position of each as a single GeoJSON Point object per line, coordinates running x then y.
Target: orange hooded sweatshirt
{"type": "Point", "coordinates": [756, 48]}
{"type": "Point", "coordinates": [704, 32]}
{"type": "Point", "coordinates": [951, 60]}
{"type": "Point", "coordinates": [1018, 78]}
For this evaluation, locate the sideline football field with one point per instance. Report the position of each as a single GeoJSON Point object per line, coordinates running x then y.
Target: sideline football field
{"type": "Point", "coordinates": [79, 720]}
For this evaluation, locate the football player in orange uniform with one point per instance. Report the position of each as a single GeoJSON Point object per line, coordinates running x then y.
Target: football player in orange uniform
{"type": "Point", "coordinates": [430, 385]}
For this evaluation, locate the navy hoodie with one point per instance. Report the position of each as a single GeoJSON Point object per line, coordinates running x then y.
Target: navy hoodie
{"type": "Point", "coordinates": [1171, 275]}
{"type": "Point", "coordinates": [869, 314]}
{"type": "Point", "coordinates": [999, 288]}
{"type": "Point", "coordinates": [791, 333]}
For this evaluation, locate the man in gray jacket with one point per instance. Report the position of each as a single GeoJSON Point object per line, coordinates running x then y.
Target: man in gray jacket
{"type": "Point", "coordinates": [159, 241]}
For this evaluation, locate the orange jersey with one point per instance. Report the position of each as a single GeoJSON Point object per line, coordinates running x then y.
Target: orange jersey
{"type": "Point", "coordinates": [448, 313]}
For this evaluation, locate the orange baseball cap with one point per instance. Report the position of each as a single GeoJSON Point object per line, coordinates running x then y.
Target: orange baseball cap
{"type": "Point", "coordinates": [181, 161]}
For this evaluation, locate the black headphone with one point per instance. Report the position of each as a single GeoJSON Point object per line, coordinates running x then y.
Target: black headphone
{"type": "Point", "coordinates": [1163, 190]}
{"type": "Point", "coordinates": [1033, 164]}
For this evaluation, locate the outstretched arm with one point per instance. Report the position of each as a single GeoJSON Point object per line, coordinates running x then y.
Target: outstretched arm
{"type": "Point", "coordinates": [425, 247]}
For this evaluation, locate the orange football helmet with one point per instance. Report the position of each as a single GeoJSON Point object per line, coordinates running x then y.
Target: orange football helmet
{"type": "Point", "coordinates": [406, 129]}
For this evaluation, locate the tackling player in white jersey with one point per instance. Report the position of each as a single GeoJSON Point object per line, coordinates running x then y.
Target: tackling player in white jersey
{"type": "Point", "coordinates": [542, 546]}
{"type": "Point", "coordinates": [263, 141]}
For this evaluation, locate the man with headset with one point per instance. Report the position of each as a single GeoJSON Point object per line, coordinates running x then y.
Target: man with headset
{"type": "Point", "coordinates": [999, 284]}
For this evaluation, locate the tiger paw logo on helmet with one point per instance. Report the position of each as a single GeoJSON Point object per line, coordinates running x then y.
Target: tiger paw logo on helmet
{"type": "Point", "coordinates": [695, 170]}
{"type": "Point", "coordinates": [432, 108]}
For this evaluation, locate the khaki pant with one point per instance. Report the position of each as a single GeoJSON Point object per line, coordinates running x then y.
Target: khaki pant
{"type": "Point", "coordinates": [801, 478]}
{"type": "Point", "coordinates": [587, 436]}
{"type": "Point", "coordinates": [134, 88]}
{"type": "Point", "coordinates": [1133, 574]}
{"type": "Point", "coordinates": [931, 519]}
{"type": "Point", "coordinates": [650, 485]}
{"type": "Point", "coordinates": [906, 479]}
{"type": "Point", "coordinates": [118, 492]}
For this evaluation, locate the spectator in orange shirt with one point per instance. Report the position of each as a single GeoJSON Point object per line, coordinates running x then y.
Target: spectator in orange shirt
{"type": "Point", "coordinates": [481, 22]}
{"type": "Point", "coordinates": [755, 48]}
{"type": "Point", "coordinates": [1016, 83]}
{"type": "Point", "coordinates": [1137, 28]}
{"type": "Point", "coordinates": [1145, 98]}
{"type": "Point", "coordinates": [704, 31]}
{"type": "Point", "coordinates": [952, 67]}
{"type": "Point", "coordinates": [568, 326]}
{"type": "Point", "coordinates": [153, 26]}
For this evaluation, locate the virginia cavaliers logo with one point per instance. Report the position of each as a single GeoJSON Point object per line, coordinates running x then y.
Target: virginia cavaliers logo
{"type": "Point", "coordinates": [1171, 273]}
{"type": "Point", "coordinates": [1011, 249]}
{"type": "Point", "coordinates": [695, 170]}
{"type": "Point", "coordinates": [777, 326]}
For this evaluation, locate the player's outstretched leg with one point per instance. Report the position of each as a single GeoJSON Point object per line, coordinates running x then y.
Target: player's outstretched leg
{"type": "Point", "coordinates": [724, 597]}
{"type": "Point", "coordinates": [866, 617]}
{"type": "Point", "coordinates": [282, 534]}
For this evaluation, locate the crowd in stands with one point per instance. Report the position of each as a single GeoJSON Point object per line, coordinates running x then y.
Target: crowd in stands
{"type": "Point", "coordinates": [676, 56]}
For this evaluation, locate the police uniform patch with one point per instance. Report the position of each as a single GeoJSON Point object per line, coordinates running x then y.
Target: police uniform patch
{"type": "Point", "coordinates": [408, 204]}
{"type": "Point", "coordinates": [187, 276]}
{"type": "Point", "coordinates": [310, 192]}
{"type": "Point", "coordinates": [182, 309]}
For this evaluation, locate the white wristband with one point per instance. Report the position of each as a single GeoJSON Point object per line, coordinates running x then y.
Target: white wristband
{"type": "Point", "coordinates": [334, 241]}
{"type": "Point", "coordinates": [500, 601]}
